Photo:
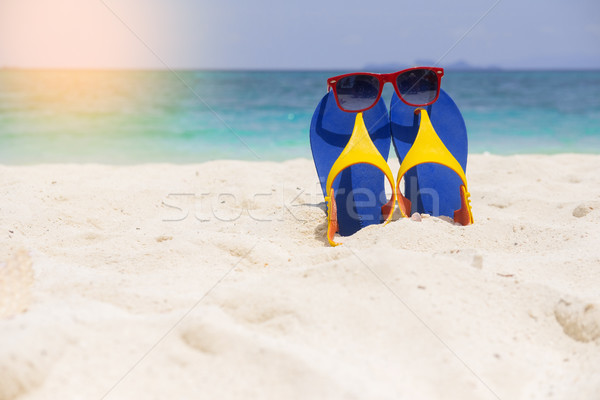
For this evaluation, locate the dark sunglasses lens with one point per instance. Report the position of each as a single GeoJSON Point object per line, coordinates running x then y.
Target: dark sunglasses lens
{"type": "Point", "coordinates": [357, 92]}
{"type": "Point", "coordinates": [418, 87]}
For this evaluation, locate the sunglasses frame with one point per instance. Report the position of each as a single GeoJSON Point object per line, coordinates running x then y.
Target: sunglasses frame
{"type": "Point", "coordinates": [383, 79]}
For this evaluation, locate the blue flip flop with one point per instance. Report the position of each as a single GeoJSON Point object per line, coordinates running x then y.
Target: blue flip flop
{"type": "Point", "coordinates": [350, 152]}
{"type": "Point", "coordinates": [431, 144]}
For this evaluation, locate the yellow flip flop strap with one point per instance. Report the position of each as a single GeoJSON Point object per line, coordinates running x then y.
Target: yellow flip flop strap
{"type": "Point", "coordinates": [359, 150]}
{"type": "Point", "coordinates": [429, 148]}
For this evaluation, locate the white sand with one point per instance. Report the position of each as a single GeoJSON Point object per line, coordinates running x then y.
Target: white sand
{"type": "Point", "coordinates": [148, 284]}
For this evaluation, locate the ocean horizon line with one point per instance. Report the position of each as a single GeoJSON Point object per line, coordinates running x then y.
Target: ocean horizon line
{"type": "Point", "coordinates": [279, 70]}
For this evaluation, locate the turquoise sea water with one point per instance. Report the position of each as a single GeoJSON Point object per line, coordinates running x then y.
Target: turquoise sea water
{"type": "Point", "coordinates": [192, 116]}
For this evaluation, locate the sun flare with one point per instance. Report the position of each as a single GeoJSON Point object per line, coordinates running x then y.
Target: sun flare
{"type": "Point", "coordinates": [72, 34]}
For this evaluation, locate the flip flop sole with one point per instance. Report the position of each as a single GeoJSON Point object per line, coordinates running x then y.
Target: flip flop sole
{"type": "Point", "coordinates": [359, 189]}
{"type": "Point", "coordinates": [432, 188]}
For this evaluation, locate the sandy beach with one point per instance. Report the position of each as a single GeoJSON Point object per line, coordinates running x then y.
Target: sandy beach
{"type": "Point", "coordinates": [215, 281]}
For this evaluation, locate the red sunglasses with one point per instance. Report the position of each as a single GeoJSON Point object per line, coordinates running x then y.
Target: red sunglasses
{"type": "Point", "coordinates": [360, 91]}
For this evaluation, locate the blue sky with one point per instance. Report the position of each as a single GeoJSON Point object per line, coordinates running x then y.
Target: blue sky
{"type": "Point", "coordinates": [309, 34]}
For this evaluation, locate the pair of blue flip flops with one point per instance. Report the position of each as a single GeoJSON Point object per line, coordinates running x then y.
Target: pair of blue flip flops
{"type": "Point", "coordinates": [430, 142]}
